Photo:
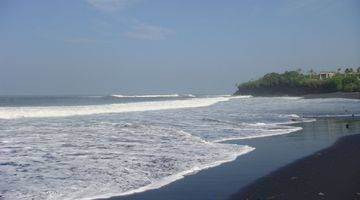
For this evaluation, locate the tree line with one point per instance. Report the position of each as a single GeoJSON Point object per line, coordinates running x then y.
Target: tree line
{"type": "Point", "coordinates": [300, 83]}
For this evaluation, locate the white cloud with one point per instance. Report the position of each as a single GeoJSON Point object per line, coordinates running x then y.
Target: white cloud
{"type": "Point", "coordinates": [111, 5]}
{"type": "Point", "coordinates": [149, 32]}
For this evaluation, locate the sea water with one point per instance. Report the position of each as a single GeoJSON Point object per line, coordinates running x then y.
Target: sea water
{"type": "Point", "coordinates": [85, 147]}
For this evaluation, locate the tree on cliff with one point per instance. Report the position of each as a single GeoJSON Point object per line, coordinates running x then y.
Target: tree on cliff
{"type": "Point", "coordinates": [297, 83]}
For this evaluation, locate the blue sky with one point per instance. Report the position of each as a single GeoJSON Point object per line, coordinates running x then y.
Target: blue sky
{"type": "Point", "coordinates": [168, 46]}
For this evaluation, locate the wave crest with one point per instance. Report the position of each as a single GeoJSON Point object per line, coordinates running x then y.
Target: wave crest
{"type": "Point", "coordinates": [145, 96]}
{"type": "Point", "coordinates": [66, 111]}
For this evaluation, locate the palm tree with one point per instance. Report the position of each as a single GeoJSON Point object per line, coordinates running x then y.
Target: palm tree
{"type": "Point", "coordinates": [339, 70]}
{"type": "Point", "coordinates": [347, 70]}
{"type": "Point", "coordinates": [311, 72]}
{"type": "Point", "coordinates": [299, 70]}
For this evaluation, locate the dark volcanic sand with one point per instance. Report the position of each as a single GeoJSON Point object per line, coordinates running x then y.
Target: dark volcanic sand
{"type": "Point", "coordinates": [333, 173]}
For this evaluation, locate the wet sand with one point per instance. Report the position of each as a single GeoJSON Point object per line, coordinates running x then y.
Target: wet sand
{"type": "Point", "coordinates": [332, 173]}
{"type": "Point", "coordinates": [271, 153]}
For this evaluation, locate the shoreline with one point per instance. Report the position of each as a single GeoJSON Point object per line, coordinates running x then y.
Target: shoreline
{"type": "Point", "coordinates": [342, 95]}
{"type": "Point", "coordinates": [224, 180]}
{"type": "Point", "coordinates": [170, 179]}
{"type": "Point", "coordinates": [331, 173]}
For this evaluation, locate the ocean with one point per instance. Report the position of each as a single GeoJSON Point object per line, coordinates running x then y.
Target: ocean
{"type": "Point", "coordinates": [85, 147]}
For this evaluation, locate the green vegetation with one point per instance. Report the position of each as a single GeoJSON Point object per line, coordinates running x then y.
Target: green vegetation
{"type": "Point", "coordinates": [298, 83]}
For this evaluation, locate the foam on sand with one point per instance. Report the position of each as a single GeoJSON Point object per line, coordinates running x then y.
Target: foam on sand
{"type": "Point", "coordinates": [268, 134]}
{"type": "Point", "coordinates": [256, 131]}
{"type": "Point", "coordinates": [113, 155]}
{"type": "Point", "coordinates": [232, 130]}
{"type": "Point", "coordinates": [80, 163]}
{"type": "Point", "coordinates": [175, 177]}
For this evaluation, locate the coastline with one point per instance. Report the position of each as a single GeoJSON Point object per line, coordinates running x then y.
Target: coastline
{"type": "Point", "coordinates": [343, 95]}
{"type": "Point", "coordinates": [332, 173]}
{"type": "Point", "coordinates": [222, 181]}
{"type": "Point", "coordinates": [168, 180]}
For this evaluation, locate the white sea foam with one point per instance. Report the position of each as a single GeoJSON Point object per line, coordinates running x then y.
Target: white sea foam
{"type": "Point", "coordinates": [303, 120]}
{"type": "Point", "coordinates": [290, 98]}
{"type": "Point", "coordinates": [109, 155]}
{"type": "Point", "coordinates": [80, 163]}
{"type": "Point", "coordinates": [153, 96]}
{"type": "Point", "coordinates": [241, 96]}
{"type": "Point", "coordinates": [175, 177]}
{"type": "Point", "coordinates": [265, 133]}
{"type": "Point", "coordinates": [295, 119]}
{"type": "Point", "coordinates": [65, 111]}
{"type": "Point", "coordinates": [231, 130]}
{"type": "Point", "coordinates": [146, 96]}
{"type": "Point", "coordinates": [294, 116]}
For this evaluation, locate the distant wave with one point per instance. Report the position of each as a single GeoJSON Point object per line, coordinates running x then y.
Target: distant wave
{"type": "Point", "coordinates": [177, 95]}
{"type": "Point", "coordinates": [65, 111]}
{"type": "Point", "coordinates": [241, 96]}
{"type": "Point", "coordinates": [146, 96]}
{"type": "Point", "coordinates": [232, 96]}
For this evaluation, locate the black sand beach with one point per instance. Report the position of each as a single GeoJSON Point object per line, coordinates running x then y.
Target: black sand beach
{"type": "Point", "coordinates": [271, 153]}
{"type": "Point", "coordinates": [332, 173]}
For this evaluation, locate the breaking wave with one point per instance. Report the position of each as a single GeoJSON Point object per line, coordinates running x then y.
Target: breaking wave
{"type": "Point", "coordinates": [241, 96]}
{"type": "Point", "coordinates": [241, 130]}
{"type": "Point", "coordinates": [122, 160]}
{"type": "Point", "coordinates": [146, 96]}
{"type": "Point", "coordinates": [114, 155]}
{"type": "Point", "coordinates": [65, 111]}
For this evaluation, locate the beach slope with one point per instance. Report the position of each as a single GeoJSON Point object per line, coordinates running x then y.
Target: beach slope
{"type": "Point", "coordinates": [332, 173]}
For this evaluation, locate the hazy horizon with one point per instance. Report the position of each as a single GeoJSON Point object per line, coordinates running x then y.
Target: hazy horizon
{"type": "Point", "coordinates": [165, 47]}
